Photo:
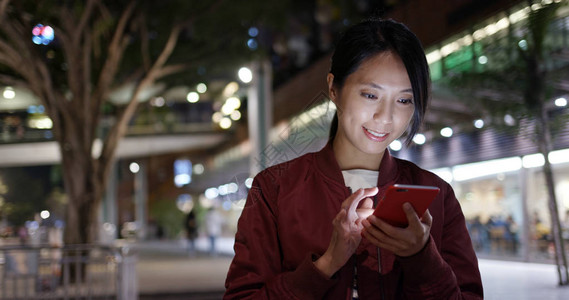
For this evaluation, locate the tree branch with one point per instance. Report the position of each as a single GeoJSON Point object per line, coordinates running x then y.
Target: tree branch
{"type": "Point", "coordinates": [3, 6]}
{"type": "Point", "coordinates": [119, 128]}
{"type": "Point", "coordinates": [84, 19]}
{"type": "Point", "coordinates": [115, 51]}
{"type": "Point", "coordinates": [171, 69]}
{"type": "Point", "coordinates": [13, 81]}
{"type": "Point", "coordinates": [166, 52]}
{"type": "Point", "coordinates": [91, 116]}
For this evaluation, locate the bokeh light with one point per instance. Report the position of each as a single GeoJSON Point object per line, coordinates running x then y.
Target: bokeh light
{"type": "Point", "coordinates": [43, 35]}
{"type": "Point", "coordinates": [245, 75]}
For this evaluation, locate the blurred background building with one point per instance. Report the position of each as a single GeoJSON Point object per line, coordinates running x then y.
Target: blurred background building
{"type": "Point", "coordinates": [196, 143]}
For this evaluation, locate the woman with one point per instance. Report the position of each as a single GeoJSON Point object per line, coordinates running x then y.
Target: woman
{"type": "Point", "coordinates": [303, 234]}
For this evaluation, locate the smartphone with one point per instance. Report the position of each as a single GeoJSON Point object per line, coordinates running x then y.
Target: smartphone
{"type": "Point", "coordinates": [390, 207]}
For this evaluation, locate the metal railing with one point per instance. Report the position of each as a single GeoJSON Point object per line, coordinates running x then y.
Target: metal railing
{"type": "Point", "coordinates": [69, 272]}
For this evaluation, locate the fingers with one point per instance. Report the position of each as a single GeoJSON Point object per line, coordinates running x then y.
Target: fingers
{"type": "Point", "coordinates": [351, 203]}
{"type": "Point", "coordinates": [367, 204]}
{"type": "Point", "coordinates": [401, 241]}
{"type": "Point", "coordinates": [412, 218]}
{"type": "Point", "coordinates": [427, 218]}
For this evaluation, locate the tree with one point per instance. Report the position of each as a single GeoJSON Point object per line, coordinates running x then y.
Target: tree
{"type": "Point", "coordinates": [521, 87]}
{"type": "Point", "coordinates": [99, 47]}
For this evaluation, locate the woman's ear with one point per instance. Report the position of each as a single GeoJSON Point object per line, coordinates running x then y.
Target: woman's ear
{"type": "Point", "coordinates": [331, 89]}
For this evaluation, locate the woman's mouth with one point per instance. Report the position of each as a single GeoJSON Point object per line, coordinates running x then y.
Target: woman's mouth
{"type": "Point", "coordinates": [374, 135]}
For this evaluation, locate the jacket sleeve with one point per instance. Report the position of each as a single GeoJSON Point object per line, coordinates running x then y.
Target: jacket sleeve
{"type": "Point", "coordinates": [451, 272]}
{"type": "Point", "coordinates": [256, 270]}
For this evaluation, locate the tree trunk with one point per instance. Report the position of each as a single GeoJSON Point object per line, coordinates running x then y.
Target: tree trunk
{"type": "Point", "coordinates": [84, 189]}
{"type": "Point", "coordinates": [545, 147]}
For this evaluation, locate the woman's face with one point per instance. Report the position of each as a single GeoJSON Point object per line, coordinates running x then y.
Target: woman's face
{"type": "Point", "coordinates": [375, 106]}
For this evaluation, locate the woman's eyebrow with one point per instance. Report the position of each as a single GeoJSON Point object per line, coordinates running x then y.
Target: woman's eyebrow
{"type": "Point", "coordinates": [379, 87]}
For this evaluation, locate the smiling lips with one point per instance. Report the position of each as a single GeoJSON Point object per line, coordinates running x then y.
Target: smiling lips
{"type": "Point", "coordinates": [374, 135]}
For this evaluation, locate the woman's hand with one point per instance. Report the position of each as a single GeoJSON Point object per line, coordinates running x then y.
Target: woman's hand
{"type": "Point", "coordinates": [347, 232]}
{"type": "Point", "coordinates": [401, 241]}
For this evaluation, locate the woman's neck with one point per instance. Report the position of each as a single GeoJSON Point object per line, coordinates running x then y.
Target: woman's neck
{"type": "Point", "coordinates": [349, 158]}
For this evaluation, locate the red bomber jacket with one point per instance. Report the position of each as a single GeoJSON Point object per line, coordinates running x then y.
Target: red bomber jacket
{"type": "Point", "coordinates": [287, 223]}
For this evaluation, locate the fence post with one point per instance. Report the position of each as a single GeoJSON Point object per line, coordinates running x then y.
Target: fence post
{"type": "Point", "coordinates": [127, 278]}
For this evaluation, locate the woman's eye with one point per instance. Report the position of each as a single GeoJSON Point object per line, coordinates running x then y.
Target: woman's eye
{"type": "Point", "coordinates": [369, 96]}
{"type": "Point", "coordinates": [406, 101]}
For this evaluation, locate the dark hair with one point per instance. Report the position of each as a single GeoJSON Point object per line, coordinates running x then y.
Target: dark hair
{"type": "Point", "coordinates": [375, 36]}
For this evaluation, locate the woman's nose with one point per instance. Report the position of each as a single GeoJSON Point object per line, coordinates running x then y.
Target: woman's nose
{"type": "Point", "coordinates": [384, 113]}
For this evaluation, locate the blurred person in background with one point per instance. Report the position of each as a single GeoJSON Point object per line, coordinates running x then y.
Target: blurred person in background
{"type": "Point", "coordinates": [307, 232]}
{"type": "Point", "coordinates": [191, 226]}
{"type": "Point", "coordinates": [213, 223]}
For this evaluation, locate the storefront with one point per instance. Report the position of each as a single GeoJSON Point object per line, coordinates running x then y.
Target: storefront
{"type": "Point", "coordinates": [506, 205]}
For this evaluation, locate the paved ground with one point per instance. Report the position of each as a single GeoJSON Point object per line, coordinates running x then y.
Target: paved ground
{"type": "Point", "coordinates": [166, 271]}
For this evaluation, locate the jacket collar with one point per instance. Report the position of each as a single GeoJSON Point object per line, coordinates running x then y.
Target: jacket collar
{"type": "Point", "coordinates": [326, 162]}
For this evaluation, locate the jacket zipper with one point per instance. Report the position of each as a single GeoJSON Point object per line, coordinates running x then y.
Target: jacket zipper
{"type": "Point", "coordinates": [381, 287]}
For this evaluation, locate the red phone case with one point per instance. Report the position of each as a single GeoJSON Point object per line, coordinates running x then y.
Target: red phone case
{"type": "Point", "coordinates": [390, 208]}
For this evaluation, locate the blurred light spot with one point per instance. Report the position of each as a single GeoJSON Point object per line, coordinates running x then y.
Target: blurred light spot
{"type": "Point", "coordinates": [419, 139]}
{"type": "Point", "coordinates": [185, 203]}
{"type": "Point", "coordinates": [9, 93]}
{"type": "Point", "coordinates": [216, 117]}
{"type": "Point", "coordinates": [479, 123]}
{"type": "Point", "coordinates": [509, 120]}
{"type": "Point", "coordinates": [245, 75]}
{"type": "Point", "coordinates": [40, 123]}
{"type": "Point", "coordinates": [236, 115]}
{"type": "Point", "coordinates": [561, 102]}
{"type": "Point", "coordinates": [395, 145]}
{"type": "Point", "coordinates": [232, 188]}
{"type": "Point", "coordinates": [182, 172]}
{"type": "Point", "coordinates": [42, 34]}
{"type": "Point", "coordinates": [32, 109]}
{"type": "Point", "coordinates": [446, 132]}
{"type": "Point", "coordinates": [157, 101]}
{"type": "Point", "coordinates": [253, 31]}
{"type": "Point", "coordinates": [211, 193]}
{"type": "Point", "coordinates": [533, 160]}
{"type": "Point", "coordinates": [230, 89]}
{"type": "Point", "coordinates": [249, 182]}
{"type": "Point", "coordinates": [225, 123]}
{"type": "Point", "coordinates": [198, 169]}
{"type": "Point", "coordinates": [223, 189]}
{"type": "Point", "coordinates": [483, 60]}
{"type": "Point", "coordinates": [201, 88]}
{"type": "Point", "coordinates": [134, 167]}
{"type": "Point", "coordinates": [523, 44]}
{"type": "Point", "coordinates": [44, 214]}
{"type": "Point", "coordinates": [193, 97]}
{"type": "Point", "coordinates": [230, 105]}
{"type": "Point", "coordinates": [252, 44]}
{"type": "Point", "coordinates": [182, 179]}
